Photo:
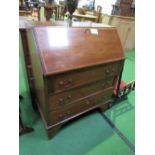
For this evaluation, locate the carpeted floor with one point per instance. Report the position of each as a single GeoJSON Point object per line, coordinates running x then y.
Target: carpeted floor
{"type": "Point", "coordinates": [90, 134]}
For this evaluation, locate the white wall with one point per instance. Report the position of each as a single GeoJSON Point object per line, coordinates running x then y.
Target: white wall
{"type": "Point", "coordinates": [106, 5]}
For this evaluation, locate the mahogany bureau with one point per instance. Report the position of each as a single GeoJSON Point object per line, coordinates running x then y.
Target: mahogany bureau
{"type": "Point", "coordinates": [75, 70]}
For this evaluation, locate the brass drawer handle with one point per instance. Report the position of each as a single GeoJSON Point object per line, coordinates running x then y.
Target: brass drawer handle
{"type": "Point", "coordinates": [69, 96]}
{"type": "Point", "coordinates": [61, 83]}
{"type": "Point", "coordinates": [107, 71]}
{"type": "Point", "coordinates": [61, 100]}
{"type": "Point", "coordinates": [70, 80]}
{"type": "Point", "coordinates": [68, 83]}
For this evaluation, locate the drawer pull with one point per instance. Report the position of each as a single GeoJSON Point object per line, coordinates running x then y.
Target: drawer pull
{"type": "Point", "coordinates": [70, 80]}
{"type": "Point", "coordinates": [107, 71]}
{"type": "Point", "coordinates": [69, 97]}
{"type": "Point", "coordinates": [61, 100]}
{"type": "Point", "coordinates": [68, 83]}
{"type": "Point", "coordinates": [61, 83]}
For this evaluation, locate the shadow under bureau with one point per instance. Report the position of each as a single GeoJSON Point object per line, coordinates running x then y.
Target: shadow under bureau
{"type": "Point", "coordinates": [75, 70]}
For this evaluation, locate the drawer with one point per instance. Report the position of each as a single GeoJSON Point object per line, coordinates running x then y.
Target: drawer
{"type": "Point", "coordinates": [70, 96]}
{"type": "Point", "coordinates": [69, 80]}
{"type": "Point", "coordinates": [79, 107]}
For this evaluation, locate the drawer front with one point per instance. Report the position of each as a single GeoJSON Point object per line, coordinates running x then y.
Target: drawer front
{"type": "Point", "coordinates": [68, 97]}
{"type": "Point", "coordinates": [78, 107]}
{"type": "Point", "coordinates": [73, 79]}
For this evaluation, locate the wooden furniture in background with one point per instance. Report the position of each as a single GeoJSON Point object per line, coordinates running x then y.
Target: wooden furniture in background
{"type": "Point", "coordinates": [75, 72]}
{"type": "Point", "coordinates": [49, 11]}
{"type": "Point", "coordinates": [25, 12]}
{"type": "Point", "coordinates": [126, 30]}
{"type": "Point", "coordinates": [21, 3]}
{"type": "Point", "coordinates": [60, 12]}
{"type": "Point", "coordinates": [36, 12]}
{"type": "Point", "coordinates": [85, 17]}
{"type": "Point", "coordinates": [23, 9]}
{"type": "Point", "coordinates": [98, 13]}
{"type": "Point", "coordinates": [57, 11]}
{"type": "Point", "coordinates": [36, 7]}
{"type": "Point", "coordinates": [94, 16]}
{"type": "Point", "coordinates": [115, 9]}
{"type": "Point", "coordinates": [124, 8]}
{"type": "Point", "coordinates": [31, 9]}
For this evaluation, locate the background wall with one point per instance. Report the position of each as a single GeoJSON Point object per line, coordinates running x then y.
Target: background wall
{"type": "Point", "coordinates": [106, 5]}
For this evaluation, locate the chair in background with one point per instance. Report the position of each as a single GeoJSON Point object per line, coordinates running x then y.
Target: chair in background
{"type": "Point", "coordinates": [56, 11]}
{"type": "Point", "coordinates": [49, 11]}
{"type": "Point", "coordinates": [98, 13]}
{"type": "Point", "coordinates": [60, 12]}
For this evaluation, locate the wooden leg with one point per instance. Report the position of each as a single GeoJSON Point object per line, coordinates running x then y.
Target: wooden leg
{"type": "Point", "coordinates": [52, 131]}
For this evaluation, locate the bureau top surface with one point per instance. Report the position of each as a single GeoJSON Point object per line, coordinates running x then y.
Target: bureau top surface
{"type": "Point", "coordinates": [63, 49]}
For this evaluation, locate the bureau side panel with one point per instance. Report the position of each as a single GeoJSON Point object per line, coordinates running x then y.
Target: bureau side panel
{"type": "Point", "coordinates": [38, 73]}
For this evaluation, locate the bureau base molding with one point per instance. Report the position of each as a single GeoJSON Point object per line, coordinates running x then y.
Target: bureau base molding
{"type": "Point", "coordinates": [53, 129]}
